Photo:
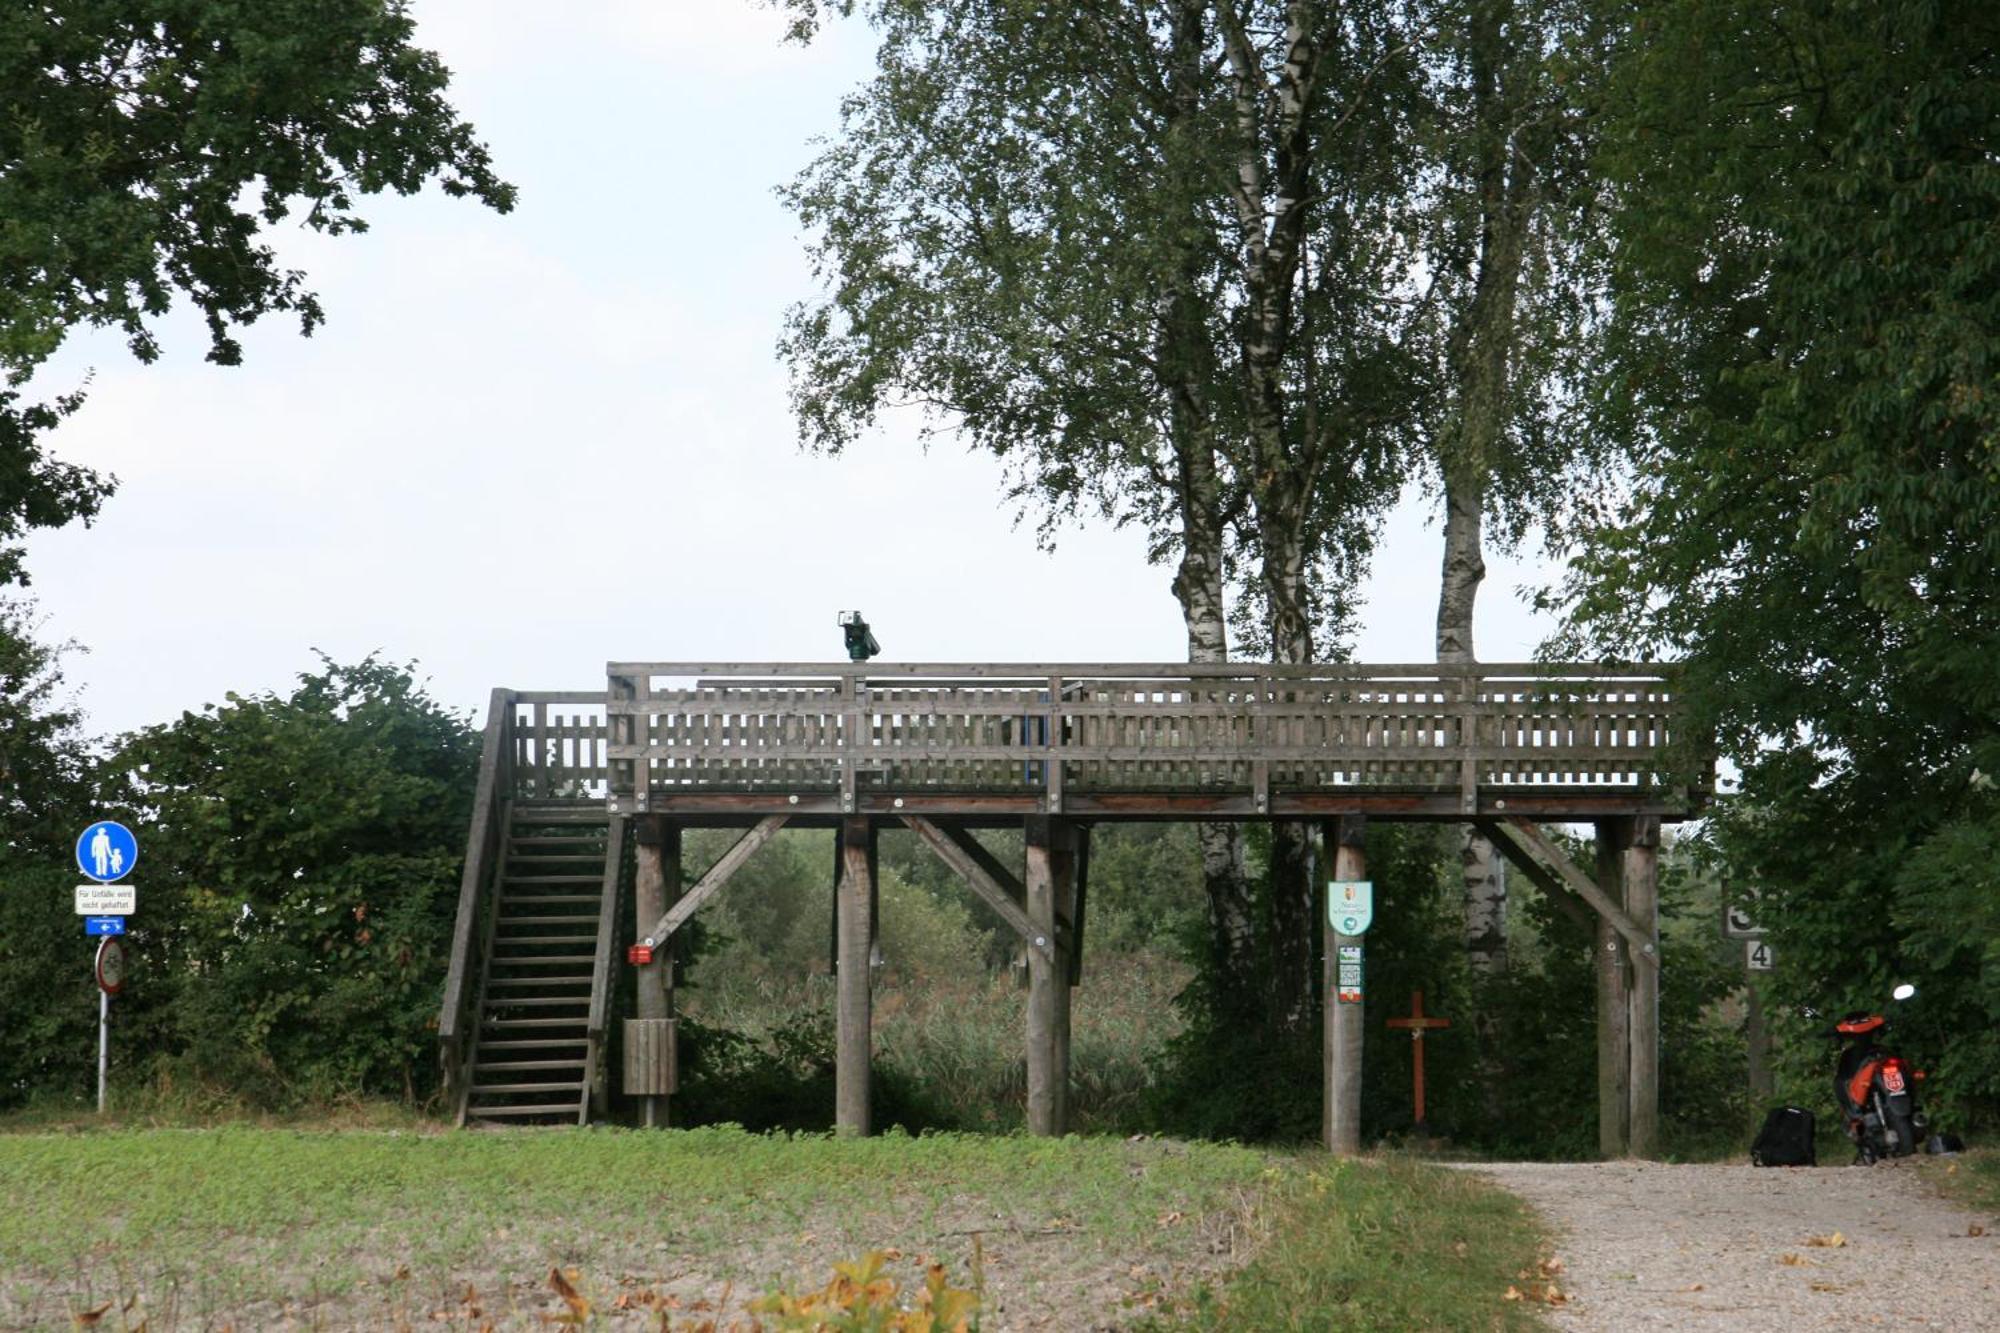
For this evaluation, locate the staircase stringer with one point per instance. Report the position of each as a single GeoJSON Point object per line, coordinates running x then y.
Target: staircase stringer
{"type": "Point", "coordinates": [495, 880]}
{"type": "Point", "coordinates": [602, 967]}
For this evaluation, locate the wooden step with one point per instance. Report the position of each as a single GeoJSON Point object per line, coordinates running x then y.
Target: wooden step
{"type": "Point", "coordinates": [531, 1043]}
{"type": "Point", "coordinates": [580, 940]}
{"type": "Point", "coordinates": [491, 1113]}
{"type": "Point", "coordinates": [488, 1089]}
{"type": "Point", "coordinates": [510, 1065]}
{"type": "Point", "coordinates": [514, 899]}
{"type": "Point", "coordinates": [538, 1002]}
{"type": "Point", "coordinates": [597, 856]}
{"type": "Point", "coordinates": [567, 979]}
{"type": "Point", "coordinates": [542, 959]}
{"type": "Point", "coordinates": [506, 920]}
{"type": "Point", "coordinates": [534, 1023]}
{"type": "Point", "coordinates": [554, 879]}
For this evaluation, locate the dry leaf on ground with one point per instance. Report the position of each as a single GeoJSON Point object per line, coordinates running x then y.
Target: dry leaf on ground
{"type": "Point", "coordinates": [579, 1308]}
{"type": "Point", "coordinates": [1828, 1242]}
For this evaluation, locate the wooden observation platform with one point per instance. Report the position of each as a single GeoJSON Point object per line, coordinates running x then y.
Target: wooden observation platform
{"type": "Point", "coordinates": [574, 855]}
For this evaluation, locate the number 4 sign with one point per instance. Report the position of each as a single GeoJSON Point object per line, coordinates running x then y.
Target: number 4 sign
{"type": "Point", "coordinates": [1758, 955]}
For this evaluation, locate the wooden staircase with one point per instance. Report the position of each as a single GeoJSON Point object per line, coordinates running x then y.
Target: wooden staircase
{"type": "Point", "coordinates": [536, 1046]}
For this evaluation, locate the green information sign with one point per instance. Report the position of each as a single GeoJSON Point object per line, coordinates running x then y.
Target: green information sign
{"type": "Point", "coordinates": [1350, 905]}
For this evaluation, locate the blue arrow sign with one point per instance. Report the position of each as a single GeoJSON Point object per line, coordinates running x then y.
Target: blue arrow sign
{"type": "Point", "coordinates": [106, 851]}
{"type": "Point", "coordinates": [104, 925]}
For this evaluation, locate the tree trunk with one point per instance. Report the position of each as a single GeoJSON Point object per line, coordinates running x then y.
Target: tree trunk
{"type": "Point", "coordinates": [1291, 889]}
{"type": "Point", "coordinates": [1482, 354]}
{"type": "Point", "coordinates": [1271, 211]}
{"type": "Point", "coordinates": [1484, 878]}
{"type": "Point", "coordinates": [1188, 363]}
{"type": "Point", "coordinates": [1198, 586]}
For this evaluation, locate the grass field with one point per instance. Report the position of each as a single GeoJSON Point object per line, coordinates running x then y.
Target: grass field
{"type": "Point", "coordinates": [1972, 1178]}
{"type": "Point", "coordinates": [253, 1228]}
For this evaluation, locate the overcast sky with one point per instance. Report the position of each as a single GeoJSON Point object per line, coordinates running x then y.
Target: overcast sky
{"type": "Point", "coordinates": [524, 445]}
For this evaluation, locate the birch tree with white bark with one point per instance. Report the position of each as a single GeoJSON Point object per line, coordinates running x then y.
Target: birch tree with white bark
{"type": "Point", "coordinates": [1152, 254]}
{"type": "Point", "coordinates": [1505, 221]}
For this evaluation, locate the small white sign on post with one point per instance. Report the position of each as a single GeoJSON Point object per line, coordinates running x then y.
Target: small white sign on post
{"type": "Point", "coordinates": [106, 900]}
{"type": "Point", "coordinates": [1758, 955]}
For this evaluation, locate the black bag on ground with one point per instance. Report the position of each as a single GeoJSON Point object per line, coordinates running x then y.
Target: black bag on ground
{"type": "Point", "coordinates": [1786, 1139]}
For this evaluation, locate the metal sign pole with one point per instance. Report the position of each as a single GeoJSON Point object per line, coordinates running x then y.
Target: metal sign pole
{"type": "Point", "coordinates": [103, 1045]}
{"type": "Point", "coordinates": [106, 852]}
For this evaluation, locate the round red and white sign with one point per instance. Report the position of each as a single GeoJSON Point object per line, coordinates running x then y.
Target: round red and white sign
{"type": "Point", "coordinates": [110, 965]}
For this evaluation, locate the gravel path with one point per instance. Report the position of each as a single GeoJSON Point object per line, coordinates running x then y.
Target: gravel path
{"type": "Point", "coordinates": [1727, 1247]}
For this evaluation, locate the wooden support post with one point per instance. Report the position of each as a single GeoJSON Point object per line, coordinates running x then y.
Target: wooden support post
{"type": "Point", "coordinates": [656, 883]}
{"type": "Point", "coordinates": [1081, 833]}
{"type": "Point", "coordinates": [1340, 1043]}
{"type": "Point", "coordinates": [1614, 1057]}
{"type": "Point", "coordinates": [1050, 882]}
{"type": "Point", "coordinates": [856, 899]}
{"type": "Point", "coordinates": [1642, 904]}
{"type": "Point", "coordinates": [1758, 1037]}
{"type": "Point", "coordinates": [833, 912]}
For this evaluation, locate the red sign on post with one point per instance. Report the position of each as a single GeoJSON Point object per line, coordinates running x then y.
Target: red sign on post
{"type": "Point", "coordinates": [110, 966]}
{"type": "Point", "coordinates": [639, 955]}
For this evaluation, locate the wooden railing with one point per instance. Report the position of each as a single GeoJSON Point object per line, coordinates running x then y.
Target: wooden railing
{"type": "Point", "coordinates": [483, 853]}
{"type": "Point", "coordinates": [1243, 727]}
{"type": "Point", "coordinates": [557, 742]}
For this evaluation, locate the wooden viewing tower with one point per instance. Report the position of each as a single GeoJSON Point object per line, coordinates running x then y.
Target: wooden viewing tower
{"type": "Point", "coordinates": [583, 798]}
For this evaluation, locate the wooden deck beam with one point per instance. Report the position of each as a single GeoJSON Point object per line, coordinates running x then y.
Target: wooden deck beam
{"type": "Point", "coordinates": [818, 808]}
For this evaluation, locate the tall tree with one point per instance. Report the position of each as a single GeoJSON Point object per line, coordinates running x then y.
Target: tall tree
{"type": "Point", "coordinates": [1807, 284]}
{"type": "Point", "coordinates": [303, 853]}
{"type": "Point", "coordinates": [47, 793]}
{"type": "Point", "coordinates": [1503, 227]}
{"type": "Point", "coordinates": [1145, 253]}
{"type": "Point", "coordinates": [144, 150]}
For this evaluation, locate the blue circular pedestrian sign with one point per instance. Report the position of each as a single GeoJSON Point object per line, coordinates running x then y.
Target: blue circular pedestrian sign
{"type": "Point", "coordinates": [106, 851]}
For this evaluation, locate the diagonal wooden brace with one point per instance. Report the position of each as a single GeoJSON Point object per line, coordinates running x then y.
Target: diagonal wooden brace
{"type": "Point", "coordinates": [977, 869]}
{"type": "Point", "coordinates": [1539, 875]}
{"type": "Point", "coordinates": [1517, 834]}
{"type": "Point", "coordinates": [718, 875]}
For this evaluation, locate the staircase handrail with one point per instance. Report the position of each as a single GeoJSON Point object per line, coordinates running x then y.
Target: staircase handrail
{"type": "Point", "coordinates": [601, 965]}
{"type": "Point", "coordinates": [476, 883]}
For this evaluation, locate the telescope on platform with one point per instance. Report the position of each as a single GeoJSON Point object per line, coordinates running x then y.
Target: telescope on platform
{"type": "Point", "coordinates": [861, 643]}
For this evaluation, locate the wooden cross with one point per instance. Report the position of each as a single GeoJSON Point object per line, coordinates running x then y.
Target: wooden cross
{"type": "Point", "coordinates": [1416, 1023]}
